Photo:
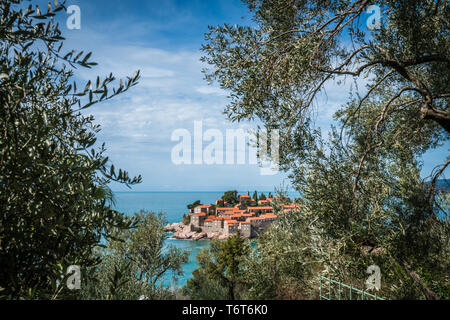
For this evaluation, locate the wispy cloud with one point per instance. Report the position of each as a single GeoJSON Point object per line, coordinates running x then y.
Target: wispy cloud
{"type": "Point", "coordinates": [162, 40]}
{"type": "Point", "coordinates": [172, 94]}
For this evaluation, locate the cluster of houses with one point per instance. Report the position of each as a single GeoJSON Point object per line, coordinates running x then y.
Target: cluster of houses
{"type": "Point", "coordinates": [250, 217]}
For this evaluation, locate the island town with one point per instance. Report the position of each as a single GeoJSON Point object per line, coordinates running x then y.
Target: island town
{"type": "Point", "coordinates": [243, 214]}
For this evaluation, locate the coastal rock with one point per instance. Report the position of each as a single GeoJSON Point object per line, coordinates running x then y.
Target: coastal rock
{"type": "Point", "coordinates": [213, 235]}
{"type": "Point", "coordinates": [218, 236]}
{"type": "Point", "coordinates": [181, 231]}
{"type": "Point", "coordinates": [199, 236]}
{"type": "Point", "coordinates": [185, 232]}
{"type": "Point", "coordinates": [222, 237]}
{"type": "Point", "coordinates": [172, 227]}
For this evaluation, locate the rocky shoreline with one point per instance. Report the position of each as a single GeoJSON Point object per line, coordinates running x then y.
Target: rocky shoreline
{"type": "Point", "coordinates": [184, 232]}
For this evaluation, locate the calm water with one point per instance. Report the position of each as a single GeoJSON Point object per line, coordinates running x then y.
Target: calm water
{"type": "Point", "coordinates": [173, 204]}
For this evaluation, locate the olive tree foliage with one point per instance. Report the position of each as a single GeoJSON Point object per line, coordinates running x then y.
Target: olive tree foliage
{"type": "Point", "coordinates": [54, 199]}
{"type": "Point", "coordinates": [276, 68]}
{"type": "Point", "coordinates": [135, 264]}
{"type": "Point", "coordinates": [337, 235]}
{"type": "Point", "coordinates": [362, 187]}
{"type": "Point", "coordinates": [201, 286]}
{"type": "Point", "coordinates": [284, 261]}
{"type": "Point", "coordinates": [221, 274]}
{"type": "Point", "coordinates": [390, 223]}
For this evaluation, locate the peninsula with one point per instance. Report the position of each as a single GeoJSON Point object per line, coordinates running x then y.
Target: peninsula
{"type": "Point", "coordinates": [250, 216]}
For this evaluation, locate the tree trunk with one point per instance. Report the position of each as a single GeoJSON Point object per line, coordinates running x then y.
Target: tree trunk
{"type": "Point", "coordinates": [439, 116]}
{"type": "Point", "coordinates": [426, 291]}
{"type": "Point", "coordinates": [231, 291]}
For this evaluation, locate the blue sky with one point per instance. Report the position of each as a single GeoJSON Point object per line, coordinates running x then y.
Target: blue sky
{"type": "Point", "coordinates": [162, 39]}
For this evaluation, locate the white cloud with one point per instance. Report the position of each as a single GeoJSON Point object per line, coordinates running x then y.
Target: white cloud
{"type": "Point", "coordinates": [170, 94]}
{"type": "Point", "coordinates": [211, 90]}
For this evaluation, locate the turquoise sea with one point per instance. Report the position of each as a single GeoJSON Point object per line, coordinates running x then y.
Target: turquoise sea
{"type": "Point", "coordinates": [173, 204]}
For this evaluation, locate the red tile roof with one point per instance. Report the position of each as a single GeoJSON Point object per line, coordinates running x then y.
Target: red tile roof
{"type": "Point", "coordinates": [259, 208]}
{"type": "Point", "coordinates": [251, 214]}
{"type": "Point", "coordinates": [269, 216]}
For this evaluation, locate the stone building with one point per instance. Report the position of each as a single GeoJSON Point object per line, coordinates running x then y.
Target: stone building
{"type": "Point", "coordinates": [204, 208]}
{"type": "Point", "coordinates": [244, 199]}
{"type": "Point", "coordinates": [262, 210]}
{"type": "Point", "coordinates": [246, 229]}
{"type": "Point", "coordinates": [250, 221]}
{"type": "Point", "coordinates": [230, 227]}
{"type": "Point", "coordinates": [223, 210]}
{"type": "Point", "coordinates": [217, 225]}
{"type": "Point", "coordinates": [197, 219]}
